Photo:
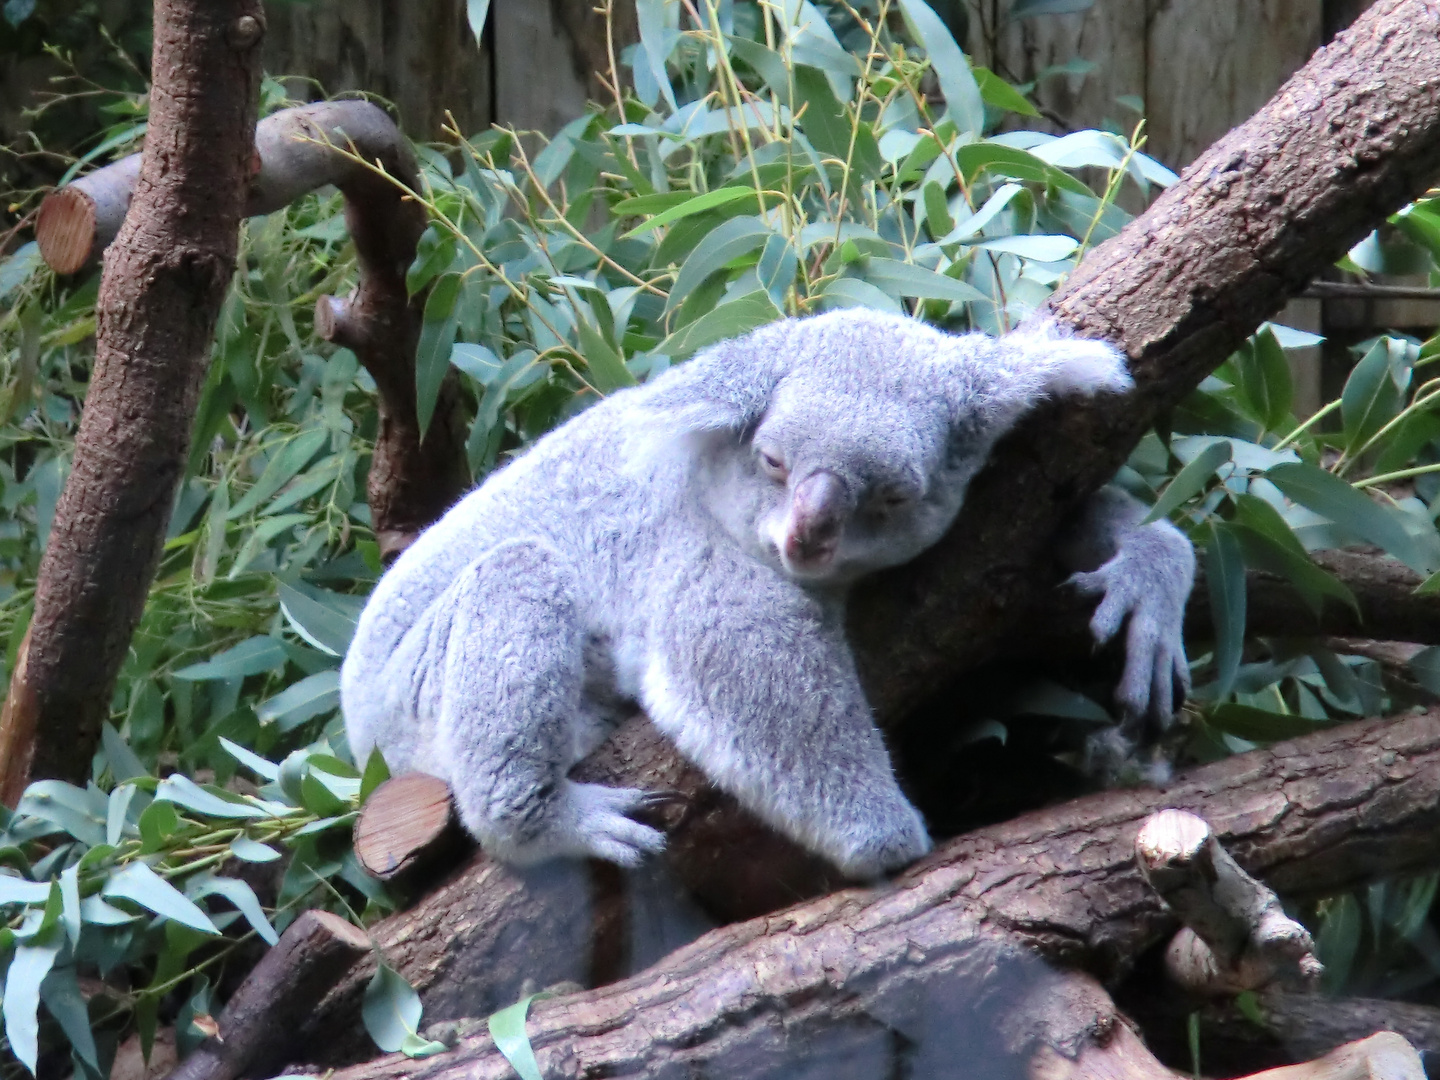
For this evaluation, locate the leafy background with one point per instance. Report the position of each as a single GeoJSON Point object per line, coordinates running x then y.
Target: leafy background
{"type": "Point", "coordinates": [771, 160]}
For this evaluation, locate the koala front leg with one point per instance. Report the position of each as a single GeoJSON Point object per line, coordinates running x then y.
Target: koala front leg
{"type": "Point", "coordinates": [1143, 573]}
{"type": "Point", "coordinates": [753, 680]}
{"type": "Point", "coordinates": [512, 671]}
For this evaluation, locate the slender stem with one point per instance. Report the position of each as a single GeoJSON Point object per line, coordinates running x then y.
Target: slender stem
{"type": "Point", "coordinates": [1314, 418]}
{"type": "Point", "coordinates": [1399, 474]}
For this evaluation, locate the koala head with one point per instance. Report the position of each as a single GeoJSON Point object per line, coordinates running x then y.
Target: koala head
{"type": "Point", "coordinates": [841, 444]}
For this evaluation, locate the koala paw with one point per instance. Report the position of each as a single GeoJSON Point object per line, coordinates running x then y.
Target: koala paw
{"type": "Point", "coordinates": [882, 847]}
{"type": "Point", "coordinates": [575, 820]}
{"type": "Point", "coordinates": [603, 828]}
{"type": "Point", "coordinates": [1152, 598]}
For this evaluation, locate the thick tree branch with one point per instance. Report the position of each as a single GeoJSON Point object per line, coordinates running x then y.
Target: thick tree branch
{"type": "Point", "coordinates": [160, 294]}
{"type": "Point", "coordinates": [867, 981]}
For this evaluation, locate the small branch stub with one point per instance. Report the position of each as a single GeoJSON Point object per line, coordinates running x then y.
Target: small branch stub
{"type": "Point", "coordinates": [408, 825]}
{"type": "Point", "coordinates": [1236, 935]}
{"type": "Point", "coordinates": [255, 1032]}
{"type": "Point", "coordinates": [244, 32]}
{"type": "Point", "coordinates": [334, 322]}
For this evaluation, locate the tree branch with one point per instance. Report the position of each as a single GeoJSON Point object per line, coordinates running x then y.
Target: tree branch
{"type": "Point", "coordinates": [868, 976]}
{"type": "Point", "coordinates": [411, 481]}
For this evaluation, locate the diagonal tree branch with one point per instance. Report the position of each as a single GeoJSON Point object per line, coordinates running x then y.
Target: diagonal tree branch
{"type": "Point", "coordinates": [1349, 139]}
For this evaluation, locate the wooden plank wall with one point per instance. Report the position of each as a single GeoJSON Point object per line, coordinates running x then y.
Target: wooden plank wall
{"type": "Point", "coordinates": [1199, 66]}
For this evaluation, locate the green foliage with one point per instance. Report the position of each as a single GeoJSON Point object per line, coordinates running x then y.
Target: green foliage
{"type": "Point", "coordinates": [128, 881]}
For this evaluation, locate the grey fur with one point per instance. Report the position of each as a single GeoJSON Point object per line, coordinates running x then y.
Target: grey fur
{"type": "Point", "coordinates": [646, 550]}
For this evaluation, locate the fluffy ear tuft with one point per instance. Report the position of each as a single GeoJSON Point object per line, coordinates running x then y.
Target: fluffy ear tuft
{"type": "Point", "coordinates": [1072, 365]}
{"type": "Point", "coordinates": [727, 387]}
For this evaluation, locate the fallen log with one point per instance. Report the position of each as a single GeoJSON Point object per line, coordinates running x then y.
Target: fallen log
{"type": "Point", "coordinates": [1309, 817]}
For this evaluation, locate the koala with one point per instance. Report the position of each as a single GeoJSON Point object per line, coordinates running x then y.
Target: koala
{"type": "Point", "coordinates": [687, 545]}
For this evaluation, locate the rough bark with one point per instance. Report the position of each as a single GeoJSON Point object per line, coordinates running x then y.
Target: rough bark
{"type": "Point", "coordinates": [160, 294]}
{"type": "Point", "coordinates": [411, 481]}
{"type": "Point", "coordinates": [1308, 817]}
{"type": "Point", "coordinates": [914, 974]}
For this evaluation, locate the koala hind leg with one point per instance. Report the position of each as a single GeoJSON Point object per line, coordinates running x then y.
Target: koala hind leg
{"type": "Point", "coordinates": [510, 715]}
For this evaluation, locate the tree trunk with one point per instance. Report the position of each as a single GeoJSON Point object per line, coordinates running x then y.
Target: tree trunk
{"type": "Point", "coordinates": [919, 976]}
{"type": "Point", "coordinates": [160, 294]}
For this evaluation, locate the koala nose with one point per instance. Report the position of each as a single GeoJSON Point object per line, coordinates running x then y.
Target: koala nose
{"type": "Point", "coordinates": [818, 508]}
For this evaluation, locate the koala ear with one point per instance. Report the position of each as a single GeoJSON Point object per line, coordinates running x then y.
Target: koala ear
{"type": "Point", "coordinates": [991, 383]}
{"type": "Point", "coordinates": [1071, 365]}
{"type": "Point", "coordinates": [727, 387]}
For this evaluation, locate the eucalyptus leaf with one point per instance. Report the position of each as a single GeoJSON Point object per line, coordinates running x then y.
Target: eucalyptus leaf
{"type": "Point", "coordinates": [1225, 579]}
{"type": "Point", "coordinates": [391, 1009]}
{"type": "Point", "coordinates": [1353, 510]}
{"type": "Point", "coordinates": [952, 69]}
{"type": "Point", "coordinates": [730, 319]}
{"type": "Point", "coordinates": [476, 12]}
{"type": "Point", "coordinates": [27, 970]}
{"type": "Point", "coordinates": [906, 279]}
{"type": "Point", "coordinates": [243, 847]}
{"type": "Point", "coordinates": [1371, 397]}
{"type": "Point", "coordinates": [323, 619]}
{"type": "Point", "coordinates": [507, 1028]}
{"type": "Point", "coordinates": [1190, 481]}
{"type": "Point", "coordinates": [138, 883]}
{"type": "Point", "coordinates": [736, 237]}
{"type": "Point", "coordinates": [298, 702]}
{"type": "Point", "coordinates": [60, 991]}
{"type": "Point", "coordinates": [238, 893]}
{"type": "Point", "coordinates": [1259, 725]}
{"type": "Point", "coordinates": [437, 335]}
{"type": "Point", "coordinates": [251, 657]}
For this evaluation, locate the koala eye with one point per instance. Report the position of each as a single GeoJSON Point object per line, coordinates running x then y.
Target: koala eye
{"type": "Point", "coordinates": [891, 499]}
{"type": "Point", "coordinates": [772, 466]}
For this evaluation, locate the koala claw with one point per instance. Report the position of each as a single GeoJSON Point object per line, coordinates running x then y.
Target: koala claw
{"type": "Point", "coordinates": [605, 829]}
{"type": "Point", "coordinates": [1155, 665]}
